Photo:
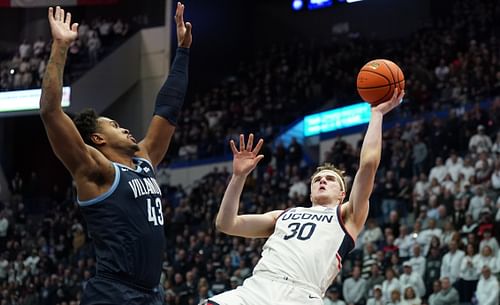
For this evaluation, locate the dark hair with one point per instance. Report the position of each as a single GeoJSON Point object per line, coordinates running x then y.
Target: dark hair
{"type": "Point", "coordinates": [86, 123]}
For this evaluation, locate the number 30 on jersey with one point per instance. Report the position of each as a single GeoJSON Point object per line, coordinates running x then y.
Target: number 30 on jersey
{"type": "Point", "coordinates": [155, 214]}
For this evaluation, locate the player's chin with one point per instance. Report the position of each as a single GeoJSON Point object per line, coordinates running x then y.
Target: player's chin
{"type": "Point", "coordinates": [135, 147]}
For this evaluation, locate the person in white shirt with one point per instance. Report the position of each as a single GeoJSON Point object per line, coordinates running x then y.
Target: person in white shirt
{"type": "Point", "coordinates": [480, 141]}
{"type": "Point", "coordinates": [390, 284]}
{"type": "Point", "coordinates": [332, 297]}
{"type": "Point", "coordinates": [490, 241]}
{"type": "Point", "coordinates": [439, 171]}
{"type": "Point", "coordinates": [487, 289]}
{"type": "Point", "coordinates": [454, 165]}
{"type": "Point", "coordinates": [450, 265]}
{"type": "Point", "coordinates": [421, 189]}
{"type": "Point", "coordinates": [486, 258]}
{"type": "Point", "coordinates": [418, 261]}
{"type": "Point", "coordinates": [404, 242]}
{"type": "Point", "coordinates": [354, 288]}
{"type": "Point", "coordinates": [432, 230]}
{"type": "Point", "coordinates": [372, 233]}
{"type": "Point", "coordinates": [495, 177]}
{"type": "Point", "coordinates": [469, 274]}
{"type": "Point", "coordinates": [410, 297]}
{"type": "Point", "coordinates": [483, 167]}
{"type": "Point", "coordinates": [4, 263]}
{"type": "Point", "coordinates": [496, 145]}
{"type": "Point", "coordinates": [377, 297]}
{"type": "Point", "coordinates": [413, 279]}
{"type": "Point", "coordinates": [476, 203]}
{"type": "Point", "coordinates": [4, 226]}
{"type": "Point", "coordinates": [467, 170]}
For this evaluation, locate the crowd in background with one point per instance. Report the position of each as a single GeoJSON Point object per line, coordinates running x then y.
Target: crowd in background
{"type": "Point", "coordinates": [433, 230]}
{"type": "Point", "coordinates": [431, 237]}
{"type": "Point", "coordinates": [25, 68]}
{"type": "Point", "coordinates": [453, 60]}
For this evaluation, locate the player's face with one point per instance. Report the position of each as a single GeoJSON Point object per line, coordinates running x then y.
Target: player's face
{"type": "Point", "coordinates": [116, 136]}
{"type": "Point", "coordinates": [326, 188]}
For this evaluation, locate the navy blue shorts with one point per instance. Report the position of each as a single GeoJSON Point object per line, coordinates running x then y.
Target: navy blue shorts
{"type": "Point", "coordinates": [102, 291]}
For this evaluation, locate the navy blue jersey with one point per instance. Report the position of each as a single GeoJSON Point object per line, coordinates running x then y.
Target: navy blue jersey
{"type": "Point", "coordinates": [126, 225]}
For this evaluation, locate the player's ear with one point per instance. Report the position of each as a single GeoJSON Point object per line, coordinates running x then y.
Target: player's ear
{"type": "Point", "coordinates": [97, 139]}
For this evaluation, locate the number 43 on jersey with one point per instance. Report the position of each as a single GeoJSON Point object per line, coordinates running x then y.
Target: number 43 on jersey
{"type": "Point", "coordinates": [155, 214]}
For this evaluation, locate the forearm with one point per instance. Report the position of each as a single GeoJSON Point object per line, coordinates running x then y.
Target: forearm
{"type": "Point", "coordinates": [371, 149]}
{"type": "Point", "coordinates": [228, 210]}
{"type": "Point", "coordinates": [171, 95]}
{"type": "Point", "coordinates": [53, 79]}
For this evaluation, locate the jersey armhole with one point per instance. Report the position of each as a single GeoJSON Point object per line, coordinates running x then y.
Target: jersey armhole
{"type": "Point", "coordinates": [342, 224]}
{"type": "Point", "coordinates": [105, 194]}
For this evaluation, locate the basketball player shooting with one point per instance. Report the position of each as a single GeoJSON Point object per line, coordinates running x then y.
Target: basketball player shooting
{"type": "Point", "coordinates": [115, 174]}
{"type": "Point", "coordinates": [306, 246]}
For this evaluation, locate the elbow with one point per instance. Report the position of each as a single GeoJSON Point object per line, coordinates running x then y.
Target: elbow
{"type": "Point", "coordinates": [220, 226]}
{"type": "Point", "coordinates": [369, 165]}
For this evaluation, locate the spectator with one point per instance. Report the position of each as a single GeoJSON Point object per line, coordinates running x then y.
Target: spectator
{"type": "Point", "coordinates": [450, 266]}
{"type": "Point", "coordinates": [480, 142]}
{"type": "Point", "coordinates": [486, 258]}
{"type": "Point", "coordinates": [487, 240]}
{"type": "Point", "coordinates": [469, 275]}
{"type": "Point", "coordinates": [390, 284]}
{"type": "Point", "coordinates": [409, 278]}
{"type": "Point", "coordinates": [354, 288]}
{"type": "Point", "coordinates": [439, 171]}
{"type": "Point", "coordinates": [332, 297]}
{"type": "Point", "coordinates": [488, 290]}
{"type": "Point", "coordinates": [476, 203]}
{"type": "Point", "coordinates": [395, 297]}
{"type": "Point", "coordinates": [447, 295]}
{"type": "Point", "coordinates": [377, 296]}
{"type": "Point", "coordinates": [404, 243]}
{"type": "Point", "coordinates": [433, 267]}
{"type": "Point", "coordinates": [375, 280]}
{"type": "Point", "coordinates": [418, 262]}
{"type": "Point", "coordinates": [373, 233]}
{"type": "Point", "coordinates": [436, 289]}
{"type": "Point", "coordinates": [410, 297]}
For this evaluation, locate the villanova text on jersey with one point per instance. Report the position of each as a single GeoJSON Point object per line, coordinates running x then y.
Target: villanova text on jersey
{"type": "Point", "coordinates": [126, 226]}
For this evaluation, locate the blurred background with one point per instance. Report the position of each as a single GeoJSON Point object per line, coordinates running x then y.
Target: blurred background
{"type": "Point", "coordinates": [283, 70]}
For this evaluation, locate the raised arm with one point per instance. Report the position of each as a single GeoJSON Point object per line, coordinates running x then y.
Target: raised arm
{"type": "Point", "coordinates": [355, 211]}
{"type": "Point", "coordinates": [228, 220]}
{"type": "Point", "coordinates": [170, 97]}
{"type": "Point", "coordinates": [64, 138]}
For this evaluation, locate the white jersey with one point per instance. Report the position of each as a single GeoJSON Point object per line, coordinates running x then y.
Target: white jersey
{"type": "Point", "coordinates": [307, 246]}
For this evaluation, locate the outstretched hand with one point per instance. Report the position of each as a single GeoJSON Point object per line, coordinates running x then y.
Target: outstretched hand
{"type": "Point", "coordinates": [395, 100]}
{"type": "Point", "coordinates": [184, 37]}
{"type": "Point", "coordinates": [245, 159]}
{"type": "Point", "coordinates": [60, 26]}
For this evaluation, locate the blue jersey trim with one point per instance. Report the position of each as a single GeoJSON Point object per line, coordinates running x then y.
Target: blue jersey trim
{"type": "Point", "coordinates": [107, 193]}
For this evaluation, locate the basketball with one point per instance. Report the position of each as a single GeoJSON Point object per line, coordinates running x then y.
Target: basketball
{"type": "Point", "coordinates": [378, 79]}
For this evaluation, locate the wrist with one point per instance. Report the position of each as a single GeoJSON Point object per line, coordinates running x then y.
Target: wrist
{"type": "Point", "coordinates": [239, 176]}
{"type": "Point", "coordinates": [60, 44]}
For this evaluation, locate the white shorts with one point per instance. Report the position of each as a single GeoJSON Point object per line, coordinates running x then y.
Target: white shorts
{"type": "Point", "coordinates": [263, 290]}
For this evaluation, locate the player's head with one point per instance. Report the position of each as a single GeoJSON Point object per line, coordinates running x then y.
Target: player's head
{"type": "Point", "coordinates": [104, 133]}
{"type": "Point", "coordinates": [327, 185]}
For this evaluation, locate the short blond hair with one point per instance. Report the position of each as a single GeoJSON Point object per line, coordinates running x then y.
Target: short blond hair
{"type": "Point", "coordinates": [331, 167]}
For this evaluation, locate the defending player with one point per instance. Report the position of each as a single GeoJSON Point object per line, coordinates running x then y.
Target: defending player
{"type": "Point", "coordinates": [306, 246]}
{"type": "Point", "coordinates": [115, 174]}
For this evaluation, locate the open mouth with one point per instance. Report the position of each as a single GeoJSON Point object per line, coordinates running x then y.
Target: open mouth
{"type": "Point", "coordinates": [322, 188]}
{"type": "Point", "coordinates": [132, 138]}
